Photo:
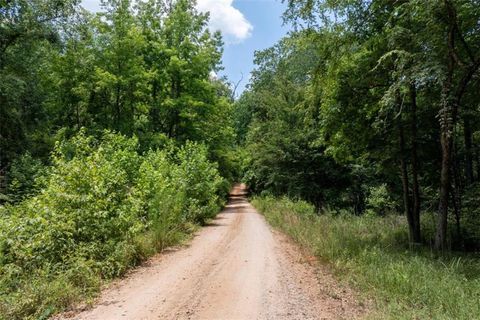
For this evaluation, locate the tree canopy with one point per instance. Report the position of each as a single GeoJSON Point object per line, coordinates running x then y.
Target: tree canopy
{"type": "Point", "coordinates": [144, 69]}
{"type": "Point", "coordinates": [371, 92]}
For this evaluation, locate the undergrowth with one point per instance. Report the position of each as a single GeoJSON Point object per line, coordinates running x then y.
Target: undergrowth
{"type": "Point", "coordinates": [103, 208]}
{"type": "Point", "coordinates": [372, 253]}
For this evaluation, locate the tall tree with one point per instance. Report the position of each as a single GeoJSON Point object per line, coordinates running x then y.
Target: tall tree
{"type": "Point", "coordinates": [28, 34]}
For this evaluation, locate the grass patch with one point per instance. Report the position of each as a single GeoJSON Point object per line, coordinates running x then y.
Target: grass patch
{"type": "Point", "coordinates": [372, 254]}
{"type": "Point", "coordinates": [54, 288]}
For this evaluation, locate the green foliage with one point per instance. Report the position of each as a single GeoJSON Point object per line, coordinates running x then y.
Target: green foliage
{"type": "Point", "coordinates": [28, 40]}
{"type": "Point", "coordinates": [379, 201]}
{"type": "Point", "coordinates": [357, 97]}
{"type": "Point", "coordinates": [201, 182]}
{"type": "Point", "coordinates": [469, 237]}
{"type": "Point", "coordinates": [87, 201]}
{"type": "Point", "coordinates": [135, 68]}
{"type": "Point", "coordinates": [281, 131]}
{"type": "Point", "coordinates": [103, 208]}
{"type": "Point", "coordinates": [371, 253]}
{"type": "Point", "coordinates": [69, 79]}
{"type": "Point", "coordinates": [25, 177]}
{"type": "Point", "coordinates": [163, 196]}
{"type": "Point", "coordinates": [243, 113]}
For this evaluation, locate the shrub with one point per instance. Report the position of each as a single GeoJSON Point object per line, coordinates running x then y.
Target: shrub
{"type": "Point", "coordinates": [103, 208]}
{"type": "Point", "coordinates": [201, 182]}
{"type": "Point", "coordinates": [25, 178]}
{"type": "Point", "coordinates": [379, 201]}
{"type": "Point", "coordinates": [162, 196]}
{"type": "Point", "coordinates": [85, 210]}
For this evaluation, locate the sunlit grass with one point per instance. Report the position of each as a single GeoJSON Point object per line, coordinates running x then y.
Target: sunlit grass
{"type": "Point", "coordinates": [372, 254]}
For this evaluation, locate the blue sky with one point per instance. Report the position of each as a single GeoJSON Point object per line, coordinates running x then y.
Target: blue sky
{"type": "Point", "coordinates": [247, 26]}
{"type": "Point", "coordinates": [265, 17]}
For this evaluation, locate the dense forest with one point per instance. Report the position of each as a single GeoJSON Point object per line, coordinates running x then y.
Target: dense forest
{"type": "Point", "coordinates": [144, 71]}
{"type": "Point", "coordinates": [117, 139]}
{"type": "Point", "coordinates": [372, 106]}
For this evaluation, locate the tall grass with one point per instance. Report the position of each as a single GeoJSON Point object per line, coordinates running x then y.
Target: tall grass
{"type": "Point", "coordinates": [372, 254]}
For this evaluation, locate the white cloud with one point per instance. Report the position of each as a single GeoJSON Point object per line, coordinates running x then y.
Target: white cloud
{"type": "Point", "coordinates": [229, 20]}
{"type": "Point", "coordinates": [92, 5]}
{"type": "Point", "coordinates": [213, 75]}
{"type": "Point", "coordinates": [223, 16]}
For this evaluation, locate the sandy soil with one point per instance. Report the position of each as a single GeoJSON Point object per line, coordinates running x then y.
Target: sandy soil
{"type": "Point", "coordinates": [235, 268]}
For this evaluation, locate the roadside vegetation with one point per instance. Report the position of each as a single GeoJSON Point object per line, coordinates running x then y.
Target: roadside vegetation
{"type": "Point", "coordinates": [103, 208]}
{"type": "Point", "coordinates": [367, 97]}
{"type": "Point", "coordinates": [372, 254]}
{"type": "Point", "coordinates": [369, 112]}
{"type": "Point", "coordinates": [117, 138]}
{"type": "Point", "coordinates": [116, 141]}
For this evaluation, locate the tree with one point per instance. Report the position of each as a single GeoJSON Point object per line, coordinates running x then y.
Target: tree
{"type": "Point", "coordinates": [28, 35]}
{"type": "Point", "coordinates": [388, 87]}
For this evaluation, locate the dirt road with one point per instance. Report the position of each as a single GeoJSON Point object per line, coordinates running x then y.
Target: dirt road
{"type": "Point", "coordinates": [235, 268]}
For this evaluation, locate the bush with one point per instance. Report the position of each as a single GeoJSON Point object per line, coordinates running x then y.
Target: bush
{"type": "Point", "coordinates": [162, 196]}
{"type": "Point", "coordinates": [104, 207]}
{"type": "Point", "coordinates": [25, 178]}
{"type": "Point", "coordinates": [86, 208]}
{"type": "Point", "coordinates": [201, 182]}
{"type": "Point", "coordinates": [379, 201]}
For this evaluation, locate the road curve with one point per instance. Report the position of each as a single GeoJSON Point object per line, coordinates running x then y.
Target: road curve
{"type": "Point", "coordinates": [237, 267]}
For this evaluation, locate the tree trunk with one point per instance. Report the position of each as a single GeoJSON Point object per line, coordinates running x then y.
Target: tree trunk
{"type": "Point", "coordinates": [456, 191]}
{"type": "Point", "coordinates": [441, 236]}
{"type": "Point", "coordinates": [467, 132]}
{"type": "Point", "coordinates": [446, 119]}
{"type": "Point", "coordinates": [174, 115]}
{"type": "Point", "coordinates": [416, 236]}
{"type": "Point", "coordinates": [404, 174]}
{"type": "Point", "coordinates": [451, 99]}
{"type": "Point", "coordinates": [77, 115]}
{"type": "Point", "coordinates": [117, 108]}
{"type": "Point", "coordinates": [154, 112]}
